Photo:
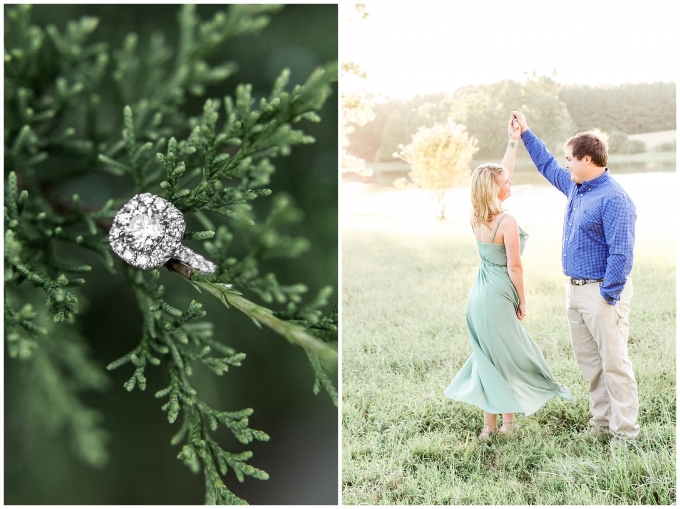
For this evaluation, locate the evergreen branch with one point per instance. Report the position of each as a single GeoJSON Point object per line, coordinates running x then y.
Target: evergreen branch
{"type": "Point", "coordinates": [216, 365]}
{"type": "Point", "coordinates": [54, 394]}
{"type": "Point", "coordinates": [57, 367]}
{"type": "Point", "coordinates": [209, 234]}
{"type": "Point", "coordinates": [261, 134]}
{"type": "Point", "coordinates": [176, 334]}
{"type": "Point", "coordinates": [139, 358]}
{"type": "Point", "coordinates": [178, 391]}
{"type": "Point", "coordinates": [326, 329]}
{"type": "Point", "coordinates": [21, 343]}
{"type": "Point", "coordinates": [92, 242]}
{"type": "Point", "coordinates": [321, 378]}
{"type": "Point", "coordinates": [263, 316]}
{"type": "Point", "coordinates": [181, 396]}
{"type": "Point", "coordinates": [215, 490]}
{"type": "Point", "coordinates": [309, 315]}
{"type": "Point", "coordinates": [269, 289]}
{"type": "Point", "coordinates": [235, 461]}
{"type": "Point", "coordinates": [60, 303]}
{"type": "Point", "coordinates": [302, 319]}
{"type": "Point", "coordinates": [69, 267]}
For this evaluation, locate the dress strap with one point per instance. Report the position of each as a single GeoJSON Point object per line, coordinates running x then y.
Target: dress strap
{"type": "Point", "coordinates": [497, 225]}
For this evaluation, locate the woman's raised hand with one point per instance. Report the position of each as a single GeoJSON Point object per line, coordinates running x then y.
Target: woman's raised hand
{"type": "Point", "coordinates": [514, 129]}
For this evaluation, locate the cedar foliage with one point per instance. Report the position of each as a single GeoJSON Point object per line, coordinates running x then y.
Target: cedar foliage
{"type": "Point", "coordinates": [62, 122]}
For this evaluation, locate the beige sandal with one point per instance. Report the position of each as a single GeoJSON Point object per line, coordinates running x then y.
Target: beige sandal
{"type": "Point", "coordinates": [504, 430]}
{"type": "Point", "coordinates": [486, 433]}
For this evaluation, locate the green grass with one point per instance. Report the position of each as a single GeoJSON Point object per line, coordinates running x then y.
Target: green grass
{"type": "Point", "coordinates": [404, 339]}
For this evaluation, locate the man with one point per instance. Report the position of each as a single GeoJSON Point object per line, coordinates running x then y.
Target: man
{"type": "Point", "coordinates": [597, 257]}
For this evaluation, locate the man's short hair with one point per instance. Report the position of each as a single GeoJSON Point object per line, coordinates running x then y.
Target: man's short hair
{"type": "Point", "coordinates": [593, 143]}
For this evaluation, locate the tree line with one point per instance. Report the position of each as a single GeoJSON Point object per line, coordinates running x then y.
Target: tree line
{"type": "Point", "coordinates": [556, 112]}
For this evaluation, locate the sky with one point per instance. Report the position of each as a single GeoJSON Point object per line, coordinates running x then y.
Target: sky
{"type": "Point", "coordinates": [433, 46]}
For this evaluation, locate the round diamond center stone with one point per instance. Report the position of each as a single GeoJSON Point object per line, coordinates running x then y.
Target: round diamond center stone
{"type": "Point", "coordinates": [145, 229]}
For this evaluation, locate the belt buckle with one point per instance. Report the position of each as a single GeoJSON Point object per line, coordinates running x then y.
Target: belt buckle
{"type": "Point", "coordinates": [578, 282]}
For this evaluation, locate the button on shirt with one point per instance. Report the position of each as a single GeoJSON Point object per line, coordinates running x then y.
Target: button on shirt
{"type": "Point", "coordinates": [599, 223]}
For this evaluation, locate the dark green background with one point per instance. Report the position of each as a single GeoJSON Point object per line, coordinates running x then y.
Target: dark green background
{"type": "Point", "coordinates": [275, 379]}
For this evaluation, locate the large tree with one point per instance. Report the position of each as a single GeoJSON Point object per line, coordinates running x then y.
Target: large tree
{"type": "Point", "coordinates": [550, 118]}
{"type": "Point", "coordinates": [405, 119]}
{"type": "Point", "coordinates": [484, 109]}
{"type": "Point", "coordinates": [632, 107]}
{"type": "Point", "coordinates": [439, 157]}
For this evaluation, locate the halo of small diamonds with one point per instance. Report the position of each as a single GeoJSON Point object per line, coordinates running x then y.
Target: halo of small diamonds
{"type": "Point", "coordinates": [147, 231]}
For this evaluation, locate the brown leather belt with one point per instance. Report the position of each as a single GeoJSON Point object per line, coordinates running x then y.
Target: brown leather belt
{"type": "Point", "coordinates": [579, 282]}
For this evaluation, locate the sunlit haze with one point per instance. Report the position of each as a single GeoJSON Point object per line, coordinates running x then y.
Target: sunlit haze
{"type": "Point", "coordinates": [434, 46]}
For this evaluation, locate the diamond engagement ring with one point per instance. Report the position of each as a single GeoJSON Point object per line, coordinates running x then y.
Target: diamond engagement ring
{"type": "Point", "coordinates": [147, 232]}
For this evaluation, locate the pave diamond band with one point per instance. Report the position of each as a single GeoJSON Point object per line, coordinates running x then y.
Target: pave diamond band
{"type": "Point", "coordinates": [147, 232]}
{"type": "Point", "coordinates": [194, 260]}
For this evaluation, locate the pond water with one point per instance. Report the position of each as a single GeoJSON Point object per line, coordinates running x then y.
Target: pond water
{"type": "Point", "coordinates": [526, 174]}
{"type": "Point", "coordinates": [370, 205]}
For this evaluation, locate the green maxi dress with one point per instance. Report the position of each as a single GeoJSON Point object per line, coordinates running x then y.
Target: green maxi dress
{"type": "Point", "coordinates": [506, 372]}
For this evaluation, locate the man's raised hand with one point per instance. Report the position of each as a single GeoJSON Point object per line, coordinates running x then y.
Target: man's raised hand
{"type": "Point", "coordinates": [521, 119]}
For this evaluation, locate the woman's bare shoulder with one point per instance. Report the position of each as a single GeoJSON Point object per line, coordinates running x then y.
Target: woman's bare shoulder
{"type": "Point", "coordinates": [508, 221]}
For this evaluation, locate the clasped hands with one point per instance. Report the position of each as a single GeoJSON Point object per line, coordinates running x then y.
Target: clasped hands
{"type": "Point", "coordinates": [517, 124]}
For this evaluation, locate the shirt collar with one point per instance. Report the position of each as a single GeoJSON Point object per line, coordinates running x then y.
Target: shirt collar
{"type": "Point", "coordinates": [590, 184]}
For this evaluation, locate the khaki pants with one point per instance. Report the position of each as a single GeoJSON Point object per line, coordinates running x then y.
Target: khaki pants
{"type": "Point", "coordinates": [599, 338]}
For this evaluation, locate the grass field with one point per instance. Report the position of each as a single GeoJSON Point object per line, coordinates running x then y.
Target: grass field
{"type": "Point", "coordinates": [405, 284]}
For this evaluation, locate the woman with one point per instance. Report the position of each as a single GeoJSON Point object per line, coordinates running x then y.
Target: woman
{"type": "Point", "coordinates": [506, 372]}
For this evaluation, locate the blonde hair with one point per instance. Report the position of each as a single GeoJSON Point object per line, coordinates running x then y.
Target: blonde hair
{"type": "Point", "coordinates": [484, 193]}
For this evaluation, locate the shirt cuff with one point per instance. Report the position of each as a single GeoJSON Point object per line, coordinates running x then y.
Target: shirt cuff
{"type": "Point", "coordinates": [610, 300]}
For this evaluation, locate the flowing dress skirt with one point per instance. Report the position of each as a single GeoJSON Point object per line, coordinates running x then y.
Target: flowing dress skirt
{"type": "Point", "coordinates": [506, 372]}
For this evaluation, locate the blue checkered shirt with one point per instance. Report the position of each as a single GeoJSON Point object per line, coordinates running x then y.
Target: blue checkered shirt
{"type": "Point", "coordinates": [599, 223]}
